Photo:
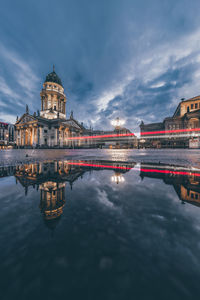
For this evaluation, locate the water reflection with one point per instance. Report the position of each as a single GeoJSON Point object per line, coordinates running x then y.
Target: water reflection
{"type": "Point", "coordinates": [116, 230]}
{"type": "Point", "coordinates": [186, 182]}
{"type": "Point", "coordinates": [51, 177]}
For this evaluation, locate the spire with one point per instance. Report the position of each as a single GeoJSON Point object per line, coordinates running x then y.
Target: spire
{"type": "Point", "coordinates": [72, 115]}
{"type": "Point", "coordinates": [27, 109]}
{"type": "Point", "coordinates": [53, 68]}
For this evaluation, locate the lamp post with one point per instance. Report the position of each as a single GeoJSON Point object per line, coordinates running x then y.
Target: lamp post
{"type": "Point", "coordinates": [117, 123]}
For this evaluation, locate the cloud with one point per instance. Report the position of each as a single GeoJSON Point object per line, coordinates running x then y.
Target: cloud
{"type": "Point", "coordinates": [17, 88]}
{"type": "Point", "coordinates": [131, 59]}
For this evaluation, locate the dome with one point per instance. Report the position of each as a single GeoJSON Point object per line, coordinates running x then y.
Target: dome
{"type": "Point", "coordinates": [53, 77]}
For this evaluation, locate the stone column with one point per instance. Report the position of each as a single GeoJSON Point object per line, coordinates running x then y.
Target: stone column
{"type": "Point", "coordinates": [20, 136]}
{"type": "Point", "coordinates": [38, 135]}
{"type": "Point", "coordinates": [33, 136]}
{"type": "Point", "coordinates": [55, 136]}
{"type": "Point", "coordinates": [24, 137]}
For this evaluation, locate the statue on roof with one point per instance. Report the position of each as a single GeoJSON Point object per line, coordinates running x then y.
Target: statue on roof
{"type": "Point", "coordinates": [72, 115]}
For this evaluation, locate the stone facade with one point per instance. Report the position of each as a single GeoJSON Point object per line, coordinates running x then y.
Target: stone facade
{"type": "Point", "coordinates": [186, 116]}
{"type": "Point", "coordinates": [49, 128]}
{"type": "Point", "coordinates": [7, 135]}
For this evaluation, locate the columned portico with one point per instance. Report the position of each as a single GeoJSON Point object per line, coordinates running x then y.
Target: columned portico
{"type": "Point", "coordinates": [49, 128]}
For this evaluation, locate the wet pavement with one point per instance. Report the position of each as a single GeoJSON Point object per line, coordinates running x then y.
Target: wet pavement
{"type": "Point", "coordinates": [119, 224]}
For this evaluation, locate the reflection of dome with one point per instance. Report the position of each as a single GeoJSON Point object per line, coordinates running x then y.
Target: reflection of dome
{"type": "Point", "coordinates": [50, 214]}
{"type": "Point", "coordinates": [52, 199]}
{"type": "Point", "coordinates": [53, 77]}
{"type": "Point", "coordinates": [51, 224]}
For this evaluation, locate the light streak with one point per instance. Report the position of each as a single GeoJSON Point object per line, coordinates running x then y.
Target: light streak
{"type": "Point", "coordinates": [166, 171]}
{"type": "Point", "coordinates": [170, 131]}
{"type": "Point", "coordinates": [171, 136]}
{"type": "Point", "coordinates": [98, 166]}
{"type": "Point", "coordinates": [100, 136]}
{"type": "Point", "coordinates": [170, 172]}
{"type": "Point", "coordinates": [144, 134]}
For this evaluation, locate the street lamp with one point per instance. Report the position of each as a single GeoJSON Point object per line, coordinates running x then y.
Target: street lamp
{"type": "Point", "coordinates": [117, 123]}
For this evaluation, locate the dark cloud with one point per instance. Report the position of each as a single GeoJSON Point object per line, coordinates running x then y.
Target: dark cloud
{"type": "Point", "coordinates": [133, 59]}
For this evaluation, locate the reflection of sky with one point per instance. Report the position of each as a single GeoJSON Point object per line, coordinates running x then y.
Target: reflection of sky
{"type": "Point", "coordinates": [116, 236]}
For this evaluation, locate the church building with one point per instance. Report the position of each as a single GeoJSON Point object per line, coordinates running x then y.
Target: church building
{"type": "Point", "coordinates": [49, 127]}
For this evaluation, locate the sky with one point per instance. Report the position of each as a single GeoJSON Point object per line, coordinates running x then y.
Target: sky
{"type": "Point", "coordinates": [132, 59]}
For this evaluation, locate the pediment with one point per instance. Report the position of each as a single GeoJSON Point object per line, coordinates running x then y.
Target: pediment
{"type": "Point", "coordinates": [72, 123]}
{"type": "Point", "coordinates": [26, 118]}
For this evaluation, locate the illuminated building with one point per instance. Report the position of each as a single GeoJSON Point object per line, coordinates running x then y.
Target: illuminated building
{"type": "Point", "coordinates": [6, 135]}
{"type": "Point", "coordinates": [186, 116]}
{"type": "Point", "coordinates": [49, 127]}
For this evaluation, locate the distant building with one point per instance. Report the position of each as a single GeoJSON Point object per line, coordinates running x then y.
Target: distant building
{"type": "Point", "coordinates": [186, 116]}
{"type": "Point", "coordinates": [49, 128]}
{"type": "Point", "coordinates": [7, 135]}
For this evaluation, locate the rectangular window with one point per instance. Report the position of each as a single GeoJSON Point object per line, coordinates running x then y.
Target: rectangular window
{"type": "Point", "coordinates": [192, 106]}
{"type": "Point", "coordinates": [196, 196]}
{"type": "Point", "coordinates": [192, 195]}
{"type": "Point", "coordinates": [195, 105]}
{"type": "Point", "coordinates": [45, 131]}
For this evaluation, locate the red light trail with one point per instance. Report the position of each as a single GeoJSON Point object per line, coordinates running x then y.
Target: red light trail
{"type": "Point", "coordinates": [100, 136]}
{"type": "Point", "coordinates": [170, 131]}
{"type": "Point", "coordinates": [189, 130]}
{"type": "Point", "coordinates": [170, 172]}
{"type": "Point", "coordinates": [99, 166]}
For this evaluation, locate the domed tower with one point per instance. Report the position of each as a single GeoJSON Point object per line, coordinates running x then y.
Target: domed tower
{"type": "Point", "coordinates": [53, 99]}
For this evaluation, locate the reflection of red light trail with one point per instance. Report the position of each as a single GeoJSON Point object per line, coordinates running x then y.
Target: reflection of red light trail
{"type": "Point", "coordinates": [132, 134]}
{"type": "Point", "coordinates": [135, 169]}
{"type": "Point", "coordinates": [170, 172]}
{"type": "Point", "coordinates": [99, 166]}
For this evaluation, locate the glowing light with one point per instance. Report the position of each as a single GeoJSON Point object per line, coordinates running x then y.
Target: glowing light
{"type": "Point", "coordinates": [121, 135]}
{"type": "Point", "coordinates": [98, 166]}
{"type": "Point", "coordinates": [100, 136]}
{"type": "Point", "coordinates": [170, 131]}
{"type": "Point", "coordinates": [117, 178]}
{"type": "Point", "coordinates": [170, 172]}
{"type": "Point", "coordinates": [166, 171]}
{"type": "Point", "coordinates": [117, 122]}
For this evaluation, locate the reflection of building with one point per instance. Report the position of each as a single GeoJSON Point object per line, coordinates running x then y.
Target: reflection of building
{"type": "Point", "coordinates": [51, 178]}
{"type": "Point", "coordinates": [52, 199]}
{"type": "Point", "coordinates": [6, 135]}
{"type": "Point", "coordinates": [186, 116]}
{"type": "Point", "coordinates": [185, 182]}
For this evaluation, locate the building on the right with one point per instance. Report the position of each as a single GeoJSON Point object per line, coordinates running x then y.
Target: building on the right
{"type": "Point", "coordinates": [160, 135]}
